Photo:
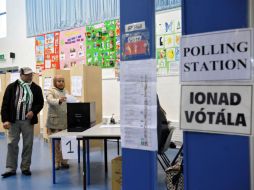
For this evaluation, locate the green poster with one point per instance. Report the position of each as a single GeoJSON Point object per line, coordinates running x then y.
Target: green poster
{"type": "Point", "coordinates": [103, 44]}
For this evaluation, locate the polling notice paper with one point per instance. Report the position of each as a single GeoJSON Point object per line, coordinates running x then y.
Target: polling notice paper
{"type": "Point", "coordinates": [138, 105]}
{"type": "Point", "coordinates": [76, 85]}
{"type": "Point", "coordinates": [48, 81]}
{"type": "Point", "coordinates": [223, 55]}
{"type": "Point", "coordinates": [218, 109]}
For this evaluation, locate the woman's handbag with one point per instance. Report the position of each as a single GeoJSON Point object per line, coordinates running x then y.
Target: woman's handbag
{"type": "Point", "coordinates": [174, 177]}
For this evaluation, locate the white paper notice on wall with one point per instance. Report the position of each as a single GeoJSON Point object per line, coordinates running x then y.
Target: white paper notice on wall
{"type": "Point", "coordinates": [135, 26]}
{"type": "Point", "coordinates": [224, 55]}
{"type": "Point", "coordinates": [47, 83]}
{"type": "Point", "coordinates": [69, 147]}
{"type": "Point", "coordinates": [139, 138]}
{"type": "Point", "coordinates": [217, 108]}
{"type": "Point", "coordinates": [76, 85]}
{"type": "Point", "coordinates": [138, 105]}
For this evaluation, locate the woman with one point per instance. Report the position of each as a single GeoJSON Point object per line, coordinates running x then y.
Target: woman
{"type": "Point", "coordinates": [57, 116]}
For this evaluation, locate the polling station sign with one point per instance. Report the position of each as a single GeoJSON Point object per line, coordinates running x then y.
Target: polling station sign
{"type": "Point", "coordinates": [217, 109]}
{"type": "Point", "coordinates": [223, 55]}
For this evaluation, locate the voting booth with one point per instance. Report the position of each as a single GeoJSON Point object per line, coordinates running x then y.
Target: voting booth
{"type": "Point", "coordinates": [48, 75]}
{"type": "Point", "coordinates": [86, 86]}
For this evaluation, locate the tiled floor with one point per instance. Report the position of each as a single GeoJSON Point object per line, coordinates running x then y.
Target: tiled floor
{"type": "Point", "coordinates": [41, 178]}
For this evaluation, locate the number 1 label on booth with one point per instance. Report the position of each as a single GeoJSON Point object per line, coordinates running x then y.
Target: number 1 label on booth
{"type": "Point", "coordinates": [69, 147]}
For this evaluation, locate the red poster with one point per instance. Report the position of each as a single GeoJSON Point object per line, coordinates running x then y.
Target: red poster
{"type": "Point", "coordinates": [135, 48]}
{"type": "Point", "coordinates": [52, 50]}
{"type": "Point", "coordinates": [47, 51]}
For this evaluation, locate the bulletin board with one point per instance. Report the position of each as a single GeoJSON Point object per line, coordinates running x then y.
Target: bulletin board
{"type": "Point", "coordinates": [72, 47]}
{"type": "Point", "coordinates": [103, 44]}
{"type": "Point", "coordinates": [168, 33]}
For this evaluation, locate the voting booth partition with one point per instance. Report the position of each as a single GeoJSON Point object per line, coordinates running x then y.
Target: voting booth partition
{"type": "Point", "coordinates": [48, 75]}
{"type": "Point", "coordinates": [2, 89]}
{"type": "Point", "coordinates": [86, 86]}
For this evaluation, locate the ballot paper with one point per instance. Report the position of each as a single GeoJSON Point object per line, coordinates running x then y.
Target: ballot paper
{"type": "Point", "coordinates": [71, 99]}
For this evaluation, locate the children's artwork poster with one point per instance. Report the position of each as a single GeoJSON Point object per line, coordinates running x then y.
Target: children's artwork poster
{"type": "Point", "coordinates": [47, 51]}
{"type": "Point", "coordinates": [52, 50]}
{"type": "Point", "coordinates": [39, 52]}
{"type": "Point", "coordinates": [168, 34]}
{"type": "Point", "coordinates": [103, 44]}
{"type": "Point", "coordinates": [72, 47]}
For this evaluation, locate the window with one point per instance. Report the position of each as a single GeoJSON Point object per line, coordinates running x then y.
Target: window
{"type": "Point", "coordinates": [3, 18]}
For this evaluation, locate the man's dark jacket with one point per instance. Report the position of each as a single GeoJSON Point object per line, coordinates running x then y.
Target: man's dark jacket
{"type": "Point", "coordinates": [8, 111]}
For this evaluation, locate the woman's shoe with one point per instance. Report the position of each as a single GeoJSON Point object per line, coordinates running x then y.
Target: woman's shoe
{"type": "Point", "coordinates": [57, 167]}
{"type": "Point", "coordinates": [65, 166]}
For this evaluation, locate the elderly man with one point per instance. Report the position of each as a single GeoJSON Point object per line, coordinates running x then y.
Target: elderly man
{"type": "Point", "coordinates": [22, 101]}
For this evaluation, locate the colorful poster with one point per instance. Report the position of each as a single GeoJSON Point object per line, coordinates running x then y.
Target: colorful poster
{"type": "Point", "coordinates": [52, 50]}
{"type": "Point", "coordinates": [47, 51]}
{"type": "Point", "coordinates": [168, 33]}
{"type": "Point", "coordinates": [103, 44]}
{"type": "Point", "coordinates": [135, 43]}
{"type": "Point", "coordinates": [39, 52]}
{"type": "Point", "coordinates": [72, 47]}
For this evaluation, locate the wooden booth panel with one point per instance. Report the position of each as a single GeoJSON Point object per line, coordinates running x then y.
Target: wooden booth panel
{"type": "Point", "coordinates": [91, 90]}
{"type": "Point", "coordinates": [91, 87]}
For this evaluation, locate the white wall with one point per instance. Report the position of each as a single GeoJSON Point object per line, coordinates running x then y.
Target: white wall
{"type": "Point", "coordinates": [16, 40]}
{"type": "Point", "coordinates": [168, 89]}
{"type": "Point", "coordinates": [111, 97]}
